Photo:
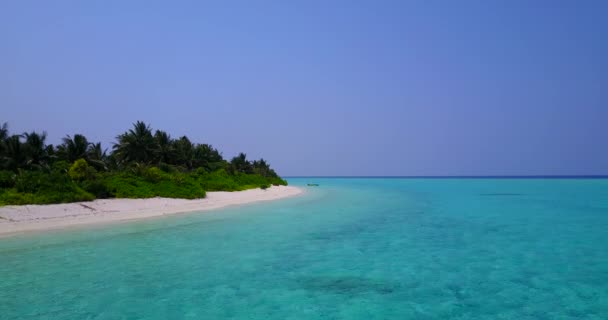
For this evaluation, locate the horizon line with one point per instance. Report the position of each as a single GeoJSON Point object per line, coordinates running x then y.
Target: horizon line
{"type": "Point", "coordinates": [586, 176]}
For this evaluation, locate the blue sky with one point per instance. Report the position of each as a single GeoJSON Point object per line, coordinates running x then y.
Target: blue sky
{"type": "Point", "coordinates": [323, 87]}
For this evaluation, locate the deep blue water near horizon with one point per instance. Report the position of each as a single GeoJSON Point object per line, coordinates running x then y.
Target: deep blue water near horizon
{"type": "Point", "coordinates": [350, 249]}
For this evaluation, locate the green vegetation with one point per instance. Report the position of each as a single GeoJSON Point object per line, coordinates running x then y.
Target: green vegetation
{"type": "Point", "coordinates": [142, 164]}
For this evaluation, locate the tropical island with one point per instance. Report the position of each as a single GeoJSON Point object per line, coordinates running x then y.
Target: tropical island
{"type": "Point", "coordinates": [143, 163]}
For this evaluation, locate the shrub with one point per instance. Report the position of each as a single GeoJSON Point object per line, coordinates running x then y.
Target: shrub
{"type": "Point", "coordinates": [218, 180]}
{"type": "Point", "coordinates": [34, 181]}
{"type": "Point", "coordinates": [153, 174]}
{"type": "Point", "coordinates": [7, 179]}
{"type": "Point", "coordinates": [200, 171]}
{"type": "Point", "coordinates": [12, 197]}
{"type": "Point", "coordinates": [81, 170]}
{"type": "Point", "coordinates": [221, 180]}
{"type": "Point", "coordinates": [36, 187]}
{"type": "Point", "coordinates": [166, 167]}
{"type": "Point", "coordinates": [177, 185]}
{"type": "Point", "coordinates": [60, 167]}
{"type": "Point", "coordinates": [97, 188]}
{"type": "Point", "coordinates": [264, 186]}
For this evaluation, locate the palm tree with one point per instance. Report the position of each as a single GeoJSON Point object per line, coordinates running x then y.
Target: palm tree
{"type": "Point", "coordinates": [4, 131]}
{"type": "Point", "coordinates": [14, 154]}
{"type": "Point", "coordinates": [184, 152]}
{"type": "Point", "coordinates": [3, 137]}
{"type": "Point", "coordinates": [137, 144]}
{"type": "Point", "coordinates": [97, 156]}
{"type": "Point", "coordinates": [73, 149]}
{"type": "Point", "coordinates": [240, 164]}
{"type": "Point", "coordinates": [35, 149]}
{"type": "Point", "coordinates": [51, 152]}
{"type": "Point", "coordinates": [261, 167]}
{"type": "Point", "coordinates": [165, 151]}
{"type": "Point", "coordinates": [207, 157]}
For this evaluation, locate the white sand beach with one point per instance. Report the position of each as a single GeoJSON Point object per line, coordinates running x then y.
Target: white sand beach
{"type": "Point", "coordinates": [19, 219]}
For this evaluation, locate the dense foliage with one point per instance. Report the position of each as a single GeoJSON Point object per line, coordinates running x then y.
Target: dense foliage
{"type": "Point", "coordinates": [143, 163]}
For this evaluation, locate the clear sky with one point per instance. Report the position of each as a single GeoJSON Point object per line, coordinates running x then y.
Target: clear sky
{"type": "Point", "coordinates": [323, 87]}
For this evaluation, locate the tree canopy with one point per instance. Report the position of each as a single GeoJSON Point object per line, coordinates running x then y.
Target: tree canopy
{"type": "Point", "coordinates": [142, 163]}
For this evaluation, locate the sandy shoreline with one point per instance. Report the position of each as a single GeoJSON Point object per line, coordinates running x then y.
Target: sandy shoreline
{"type": "Point", "coordinates": [19, 219]}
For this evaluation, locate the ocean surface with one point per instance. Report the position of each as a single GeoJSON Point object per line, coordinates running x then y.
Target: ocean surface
{"type": "Point", "coordinates": [348, 249]}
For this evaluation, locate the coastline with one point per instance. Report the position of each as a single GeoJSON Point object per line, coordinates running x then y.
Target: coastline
{"type": "Point", "coordinates": [16, 220]}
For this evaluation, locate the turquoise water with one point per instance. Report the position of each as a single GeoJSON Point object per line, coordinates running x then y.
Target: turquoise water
{"type": "Point", "coordinates": [349, 249]}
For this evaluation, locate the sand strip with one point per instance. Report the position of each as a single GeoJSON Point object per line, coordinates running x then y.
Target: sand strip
{"type": "Point", "coordinates": [19, 219]}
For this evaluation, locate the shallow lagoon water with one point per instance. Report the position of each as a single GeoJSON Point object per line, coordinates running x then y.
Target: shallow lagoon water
{"type": "Point", "coordinates": [348, 249]}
